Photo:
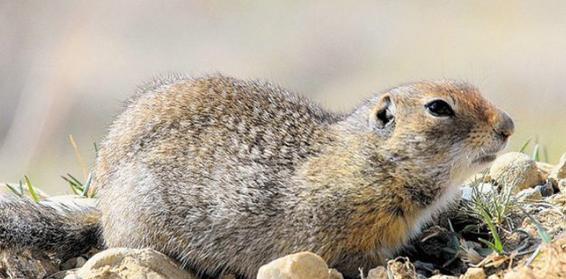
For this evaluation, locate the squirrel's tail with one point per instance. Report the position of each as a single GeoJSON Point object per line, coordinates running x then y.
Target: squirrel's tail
{"type": "Point", "coordinates": [67, 227]}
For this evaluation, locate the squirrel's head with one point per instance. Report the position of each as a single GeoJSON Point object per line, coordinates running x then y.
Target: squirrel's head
{"type": "Point", "coordinates": [438, 123]}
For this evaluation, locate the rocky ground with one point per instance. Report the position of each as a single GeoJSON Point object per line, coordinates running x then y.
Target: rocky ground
{"type": "Point", "coordinates": [510, 223]}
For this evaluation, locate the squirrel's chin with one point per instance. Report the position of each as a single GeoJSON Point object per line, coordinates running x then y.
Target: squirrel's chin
{"type": "Point", "coordinates": [485, 159]}
{"type": "Point", "coordinates": [469, 168]}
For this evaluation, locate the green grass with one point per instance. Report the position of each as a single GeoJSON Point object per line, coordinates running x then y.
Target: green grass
{"type": "Point", "coordinates": [31, 189]}
{"type": "Point", "coordinates": [79, 188]}
{"type": "Point", "coordinates": [524, 146]}
{"type": "Point", "coordinates": [540, 228]}
{"type": "Point", "coordinates": [493, 209]}
{"type": "Point", "coordinates": [20, 192]}
{"type": "Point", "coordinates": [537, 150]}
{"type": "Point", "coordinates": [492, 205]}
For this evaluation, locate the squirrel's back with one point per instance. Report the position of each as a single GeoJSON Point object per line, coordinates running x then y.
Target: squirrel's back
{"type": "Point", "coordinates": [251, 120]}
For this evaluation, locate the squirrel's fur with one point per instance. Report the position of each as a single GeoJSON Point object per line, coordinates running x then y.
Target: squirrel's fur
{"type": "Point", "coordinates": [225, 175]}
{"type": "Point", "coordinates": [63, 227]}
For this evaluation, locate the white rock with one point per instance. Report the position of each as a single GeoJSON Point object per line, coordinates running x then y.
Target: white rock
{"type": "Point", "coordinates": [484, 188]}
{"type": "Point", "coordinates": [515, 170]}
{"type": "Point", "coordinates": [130, 263]}
{"type": "Point", "coordinates": [303, 265]}
{"type": "Point", "coordinates": [72, 275]}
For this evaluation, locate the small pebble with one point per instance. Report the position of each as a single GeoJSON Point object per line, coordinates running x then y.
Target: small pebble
{"type": "Point", "coordinates": [546, 190]}
{"type": "Point", "coordinates": [562, 186]}
{"type": "Point", "coordinates": [80, 262]}
{"type": "Point", "coordinates": [529, 194]}
{"type": "Point", "coordinates": [69, 264]}
{"type": "Point", "coordinates": [474, 273]}
{"type": "Point", "coordinates": [334, 274]}
{"type": "Point", "coordinates": [559, 171]}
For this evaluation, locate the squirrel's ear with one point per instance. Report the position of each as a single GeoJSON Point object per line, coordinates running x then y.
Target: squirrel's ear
{"type": "Point", "coordinates": [382, 116]}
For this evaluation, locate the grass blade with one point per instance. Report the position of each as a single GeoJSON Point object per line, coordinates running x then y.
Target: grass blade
{"type": "Point", "coordinates": [536, 153]}
{"type": "Point", "coordinates": [86, 186]}
{"type": "Point", "coordinates": [77, 189]}
{"type": "Point", "coordinates": [75, 180]}
{"type": "Point", "coordinates": [21, 185]}
{"type": "Point", "coordinates": [31, 190]}
{"type": "Point", "coordinates": [524, 146]}
{"type": "Point", "coordinates": [78, 156]}
{"type": "Point", "coordinates": [540, 229]}
{"type": "Point", "coordinates": [19, 194]}
{"type": "Point", "coordinates": [498, 245]}
{"type": "Point", "coordinates": [487, 243]}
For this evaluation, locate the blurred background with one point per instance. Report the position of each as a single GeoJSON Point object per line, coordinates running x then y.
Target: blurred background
{"type": "Point", "coordinates": [67, 66]}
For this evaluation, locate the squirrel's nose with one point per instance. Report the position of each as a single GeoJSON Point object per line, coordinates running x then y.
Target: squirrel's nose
{"type": "Point", "coordinates": [504, 125]}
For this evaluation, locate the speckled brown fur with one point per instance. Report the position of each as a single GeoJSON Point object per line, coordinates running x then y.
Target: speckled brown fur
{"type": "Point", "coordinates": [226, 175]}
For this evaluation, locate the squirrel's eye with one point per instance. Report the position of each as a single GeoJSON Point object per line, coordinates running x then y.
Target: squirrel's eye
{"type": "Point", "coordinates": [439, 108]}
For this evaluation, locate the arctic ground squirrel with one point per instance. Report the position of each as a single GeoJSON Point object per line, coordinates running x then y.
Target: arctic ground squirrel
{"type": "Point", "coordinates": [225, 175]}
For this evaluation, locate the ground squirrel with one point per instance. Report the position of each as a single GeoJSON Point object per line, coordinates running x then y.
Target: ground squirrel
{"type": "Point", "coordinates": [225, 175]}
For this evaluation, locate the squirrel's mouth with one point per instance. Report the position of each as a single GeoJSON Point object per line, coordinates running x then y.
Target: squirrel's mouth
{"type": "Point", "coordinates": [485, 159]}
{"type": "Point", "coordinates": [489, 155]}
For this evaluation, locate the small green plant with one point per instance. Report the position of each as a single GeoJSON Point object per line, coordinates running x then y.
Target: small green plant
{"type": "Point", "coordinates": [79, 188]}
{"type": "Point", "coordinates": [537, 150]}
{"type": "Point", "coordinates": [492, 209]}
{"type": "Point", "coordinates": [31, 189]}
{"type": "Point", "coordinates": [20, 192]}
{"type": "Point", "coordinates": [496, 245]}
{"type": "Point", "coordinates": [492, 205]}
